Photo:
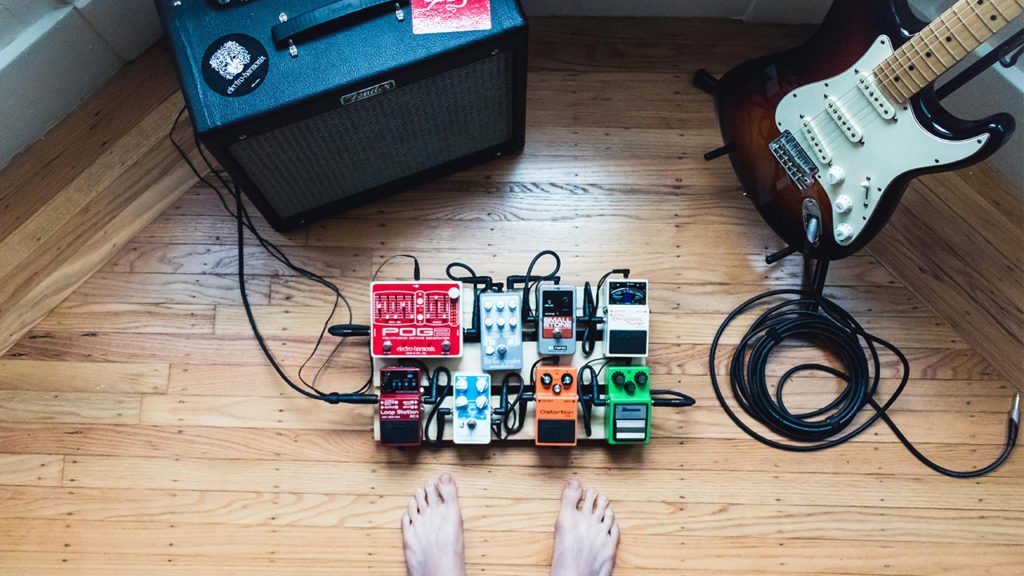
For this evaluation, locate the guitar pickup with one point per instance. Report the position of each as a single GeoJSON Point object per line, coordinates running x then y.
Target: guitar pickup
{"type": "Point", "coordinates": [844, 120]}
{"type": "Point", "coordinates": [874, 95]}
{"type": "Point", "coordinates": [811, 133]}
{"type": "Point", "coordinates": [794, 160]}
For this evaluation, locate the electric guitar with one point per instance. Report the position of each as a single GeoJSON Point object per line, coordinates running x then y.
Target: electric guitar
{"type": "Point", "coordinates": [825, 138]}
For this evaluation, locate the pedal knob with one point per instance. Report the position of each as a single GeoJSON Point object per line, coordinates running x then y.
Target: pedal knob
{"type": "Point", "coordinates": [512, 304]}
{"type": "Point", "coordinates": [489, 322]}
{"type": "Point", "coordinates": [481, 386]}
{"type": "Point", "coordinates": [489, 350]}
{"type": "Point", "coordinates": [641, 378]}
{"type": "Point", "coordinates": [836, 175]}
{"type": "Point", "coordinates": [461, 402]}
{"type": "Point", "coordinates": [501, 304]}
{"type": "Point", "coordinates": [387, 346]}
{"type": "Point", "coordinates": [618, 378]}
{"type": "Point", "coordinates": [488, 305]}
{"type": "Point", "coordinates": [446, 346]}
{"type": "Point", "coordinates": [502, 350]}
{"type": "Point", "coordinates": [546, 380]}
{"type": "Point", "coordinates": [501, 322]}
{"type": "Point", "coordinates": [630, 388]}
{"type": "Point", "coordinates": [454, 293]}
{"type": "Point", "coordinates": [481, 402]}
{"type": "Point", "coordinates": [557, 389]}
{"type": "Point", "coordinates": [844, 204]}
{"type": "Point", "coordinates": [513, 322]}
{"type": "Point", "coordinates": [844, 232]}
{"type": "Point", "coordinates": [471, 424]}
{"type": "Point", "coordinates": [557, 334]}
{"type": "Point", "coordinates": [566, 380]}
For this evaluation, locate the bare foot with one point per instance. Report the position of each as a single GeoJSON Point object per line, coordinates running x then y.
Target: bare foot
{"type": "Point", "coordinates": [432, 531]}
{"type": "Point", "coordinates": [586, 534]}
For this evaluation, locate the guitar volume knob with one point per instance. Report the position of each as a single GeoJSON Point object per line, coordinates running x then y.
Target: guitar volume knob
{"type": "Point", "coordinates": [844, 204]}
{"type": "Point", "coordinates": [843, 233]}
{"type": "Point", "coordinates": [836, 175]}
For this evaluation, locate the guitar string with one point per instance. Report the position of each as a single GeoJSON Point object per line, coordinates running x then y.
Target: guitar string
{"type": "Point", "coordinates": [902, 57]}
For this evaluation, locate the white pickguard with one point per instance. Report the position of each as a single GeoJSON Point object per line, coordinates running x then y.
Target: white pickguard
{"type": "Point", "coordinates": [887, 149]}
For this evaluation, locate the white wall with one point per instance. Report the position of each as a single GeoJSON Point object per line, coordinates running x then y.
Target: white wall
{"type": "Point", "coordinates": [53, 53]}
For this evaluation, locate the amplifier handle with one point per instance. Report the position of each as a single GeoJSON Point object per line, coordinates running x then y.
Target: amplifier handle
{"type": "Point", "coordinates": [333, 13]}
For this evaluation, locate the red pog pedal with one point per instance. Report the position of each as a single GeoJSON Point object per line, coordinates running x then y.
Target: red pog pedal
{"type": "Point", "coordinates": [416, 319]}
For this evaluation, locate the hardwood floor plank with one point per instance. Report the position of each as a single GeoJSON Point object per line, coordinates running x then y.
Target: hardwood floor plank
{"type": "Point", "coordinates": [114, 378]}
{"type": "Point", "coordinates": [929, 491]}
{"type": "Point", "coordinates": [140, 257]}
{"type": "Point", "coordinates": [133, 318]}
{"type": "Point", "coordinates": [520, 515]}
{"type": "Point", "coordinates": [169, 289]}
{"type": "Point", "coordinates": [357, 448]}
{"type": "Point", "coordinates": [30, 470]}
{"type": "Point", "coordinates": [68, 407]}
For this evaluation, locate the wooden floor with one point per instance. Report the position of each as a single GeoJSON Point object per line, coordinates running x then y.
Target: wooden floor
{"type": "Point", "coordinates": [142, 432]}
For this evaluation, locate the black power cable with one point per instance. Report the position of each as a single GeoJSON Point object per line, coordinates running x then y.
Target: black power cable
{"type": "Point", "coordinates": [811, 316]}
{"type": "Point", "coordinates": [245, 222]}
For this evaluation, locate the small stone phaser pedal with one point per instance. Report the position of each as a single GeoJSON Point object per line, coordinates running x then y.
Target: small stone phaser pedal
{"type": "Point", "coordinates": [628, 413]}
{"type": "Point", "coordinates": [472, 411]}
{"type": "Point", "coordinates": [557, 405]}
{"type": "Point", "coordinates": [501, 334]}
{"type": "Point", "coordinates": [627, 324]}
{"type": "Point", "coordinates": [416, 319]}
{"type": "Point", "coordinates": [556, 320]}
{"type": "Point", "coordinates": [399, 408]}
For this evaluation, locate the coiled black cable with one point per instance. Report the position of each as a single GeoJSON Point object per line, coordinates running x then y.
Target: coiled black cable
{"type": "Point", "coordinates": [807, 315]}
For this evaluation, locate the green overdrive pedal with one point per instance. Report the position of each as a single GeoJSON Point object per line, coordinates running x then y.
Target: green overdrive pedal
{"type": "Point", "coordinates": [628, 414]}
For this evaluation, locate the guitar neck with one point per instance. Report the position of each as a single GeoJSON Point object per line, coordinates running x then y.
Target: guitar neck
{"type": "Point", "coordinates": [944, 43]}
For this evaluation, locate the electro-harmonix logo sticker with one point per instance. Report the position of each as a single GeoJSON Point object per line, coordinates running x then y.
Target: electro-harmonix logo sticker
{"type": "Point", "coordinates": [437, 16]}
{"type": "Point", "coordinates": [235, 65]}
{"type": "Point", "coordinates": [367, 92]}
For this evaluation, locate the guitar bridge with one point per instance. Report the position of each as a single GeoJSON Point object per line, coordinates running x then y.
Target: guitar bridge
{"type": "Point", "coordinates": [794, 160]}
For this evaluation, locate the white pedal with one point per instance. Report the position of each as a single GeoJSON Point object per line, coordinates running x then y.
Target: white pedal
{"type": "Point", "coordinates": [501, 332]}
{"type": "Point", "coordinates": [472, 413]}
{"type": "Point", "coordinates": [627, 325]}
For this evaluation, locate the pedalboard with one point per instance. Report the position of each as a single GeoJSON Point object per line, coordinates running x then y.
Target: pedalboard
{"type": "Point", "coordinates": [627, 325]}
{"type": "Point", "coordinates": [556, 319]}
{"type": "Point", "coordinates": [628, 411]}
{"type": "Point", "coordinates": [399, 409]}
{"type": "Point", "coordinates": [557, 406]}
{"type": "Point", "coordinates": [472, 409]}
{"type": "Point", "coordinates": [501, 332]}
{"type": "Point", "coordinates": [416, 319]}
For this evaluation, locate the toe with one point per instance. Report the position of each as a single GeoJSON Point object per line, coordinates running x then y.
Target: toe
{"type": "Point", "coordinates": [446, 487]}
{"type": "Point", "coordinates": [588, 500]}
{"type": "Point", "coordinates": [431, 493]}
{"type": "Point", "coordinates": [406, 521]}
{"type": "Point", "coordinates": [601, 506]}
{"type": "Point", "coordinates": [609, 518]}
{"type": "Point", "coordinates": [421, 499]}
{"type": "Point", "coordinates": [414, 510]}
{"type": "Point", "coordinates": [571, 494]}
{"type": "Point", "coordinates": [614, 533]}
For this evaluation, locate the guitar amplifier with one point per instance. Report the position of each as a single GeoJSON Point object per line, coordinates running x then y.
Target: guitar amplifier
{"type": "Point", "coordinates": [315, 107]}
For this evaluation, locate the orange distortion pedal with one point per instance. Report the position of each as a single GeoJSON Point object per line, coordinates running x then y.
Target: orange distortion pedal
{"type": "Point", "coordinates": [557, 406]}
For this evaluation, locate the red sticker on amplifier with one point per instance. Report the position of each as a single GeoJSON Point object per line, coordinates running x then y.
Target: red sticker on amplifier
{"type": "Point", "coordinates": [433, 16]}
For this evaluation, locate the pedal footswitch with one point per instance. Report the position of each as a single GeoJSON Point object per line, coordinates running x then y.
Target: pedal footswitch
{"type": "Point", "coordinates": [501, 334]}
{"type": "Point", "coordinates": [400, 408]}
{"type": "Point", "coordinates": [416, 319]}
{"type": "Point", "coordinates": [556, 319]}
{"type": "Point", "coordinates": [627, 324]}
{"type": "Point", "coordinates": [628, 413]}
{"type": "Point", "coordinates": [556, 405]}
{"type": "Point", "coordinates": [472, 411]}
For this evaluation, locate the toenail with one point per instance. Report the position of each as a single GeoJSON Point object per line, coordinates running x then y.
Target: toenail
{"type": "Point", "coordinates": [574, 483]}
{"type": "Point", "coordinates": [446, 478]}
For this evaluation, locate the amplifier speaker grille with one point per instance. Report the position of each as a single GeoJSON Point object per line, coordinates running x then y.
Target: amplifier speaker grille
{"type": "Point", "coordinates": [394, 134]}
